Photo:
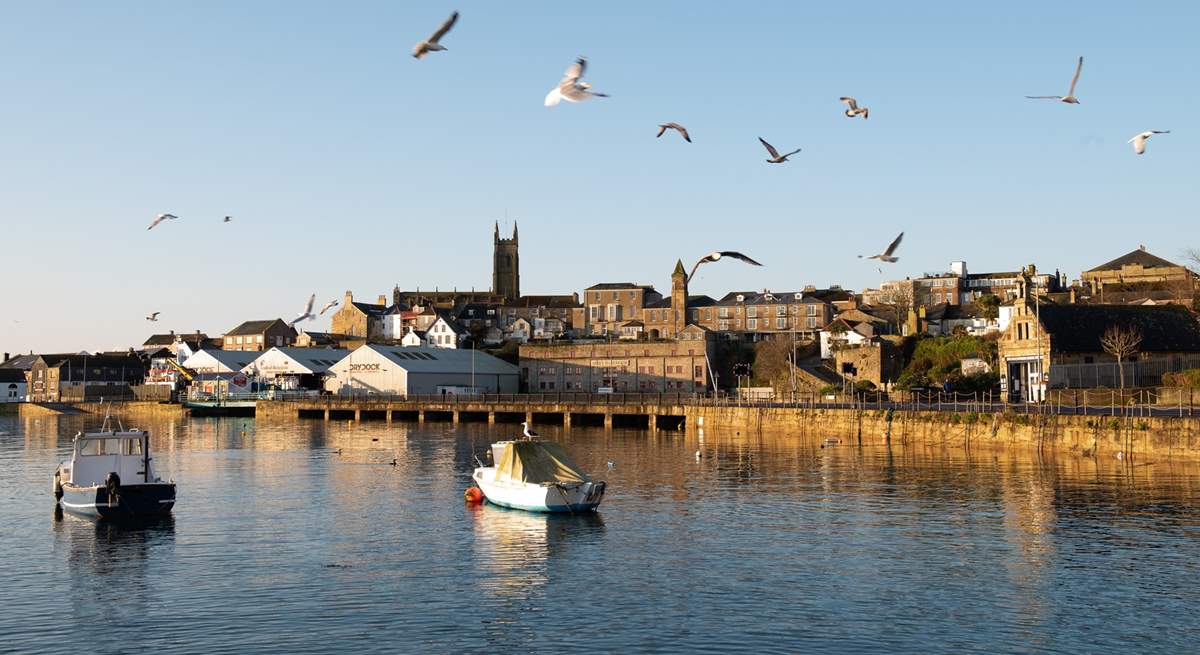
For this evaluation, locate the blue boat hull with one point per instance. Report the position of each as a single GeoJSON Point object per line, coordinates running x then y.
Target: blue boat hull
{"type": "Point", "coordinates": [133, 501]}
{"type": "Point", "coordinates": [549, 509]}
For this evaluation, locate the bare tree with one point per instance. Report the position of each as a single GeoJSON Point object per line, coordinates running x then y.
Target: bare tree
{"type": "Point", "coordinates": [1121, 342]}
{"type": "Point", "coordinates": [1192, 256]}
{"type": "Point", "coordinates": [900, 301]}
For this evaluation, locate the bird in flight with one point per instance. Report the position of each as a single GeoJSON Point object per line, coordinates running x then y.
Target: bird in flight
{"type": "Point", "coordinates": [569, 88]}
{"type": "Point", "coordinates": [529, 433]}
{"type": "Point", "coordinates": [329, 305]}
{"type": "Point", "coordinates": [716, 256]}
{"type": "Point", "coordinates": [228, 219]}
{"type": "Point", "coordinates": [431, 44]}
{"type": "Point", "coordinates": [153, 316]}
{"type": "Point", "coordinates": [674, 126]}
{"type": "Point", "coordinates": [776, 158]}
{"type": "Point", "coordinates": [307, 313]}
{"type": "Point", "coordinates": [854, 109]}
{"type": "Point", "coordinates": [1070, 97]}
{"type": "Point", "coordinates": [1139, 141]}
{"type": "Point", "coordinates": [886, 255]}
{"type": "Point", "coordinates": [160, 218]}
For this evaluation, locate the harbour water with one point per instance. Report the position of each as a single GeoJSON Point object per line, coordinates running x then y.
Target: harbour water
{"type": "Point", "coordinates": [767, 543]}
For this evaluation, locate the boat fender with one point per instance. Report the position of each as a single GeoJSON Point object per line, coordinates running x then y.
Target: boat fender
{"type": "Point", "coordinates": [112, 484]}
{"type": "Point", "coordinates": [58, 492]}
{"type": "Point", "coordinates": [473, 495]}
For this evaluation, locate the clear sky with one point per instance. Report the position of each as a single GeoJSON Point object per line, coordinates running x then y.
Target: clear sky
{"type": "Point", "coordinates": [347, 164]}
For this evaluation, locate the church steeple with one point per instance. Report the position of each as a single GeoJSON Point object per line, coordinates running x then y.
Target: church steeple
{"type": "Point", "coordinates": [679, 294]}
{"type": "Point", "coordinates": [506, 265]}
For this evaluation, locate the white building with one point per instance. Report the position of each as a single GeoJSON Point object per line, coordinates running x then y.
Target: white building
{"type": "Point", "coordinates": [520, 330]}
{"type": "Point", "coordinates": [444, 334]}
{"type": "Point", "coordinates": [220, 361]}
{"type": "Point", "coordinates": [403, 371]}
{"type": "Point", "coordinates": [414, 338]}
{"type": "Point", "coordinates": [13, 387]}
{"type": "Point", "coordinates": [829, 339]}
{"type": "Point", "coordinates": [294, 368]}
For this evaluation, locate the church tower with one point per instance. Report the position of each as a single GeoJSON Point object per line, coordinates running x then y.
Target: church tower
{"type": "Point", "coordinates": [506, 267]}
{"type": "Point", "coordinates": [679, 294]}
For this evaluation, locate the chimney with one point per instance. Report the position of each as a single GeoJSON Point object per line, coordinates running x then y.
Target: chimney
{"type": "Point", "coordinates": [172, 332]}
{"type": "Point", "coordinates": [382, 300]}
{"type": "Point", "coordinates": [6, 357]}
{"type": "Point", "coordinates": [349, 298]}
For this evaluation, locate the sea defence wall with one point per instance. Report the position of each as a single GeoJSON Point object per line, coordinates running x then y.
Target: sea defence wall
{"type": "Point", "coordinates": [119, 408]}
{"type": "Point", "coordinates": [1156, 436]}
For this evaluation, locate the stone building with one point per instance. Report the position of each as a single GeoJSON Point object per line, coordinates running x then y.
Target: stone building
{"type": "Point", "coordinates": [259, 335]}
{"type": "Point", "coordinates": [80, 378]}
{"type": "Point", "coordinates": [878, 361]}
{"type": "Point", "coordinates": [506, 265]}
{"type": "Point", "coordinates": [678, 365]}
{"type": "Point", "coordinates": [1138, 277]}
{"type": "Point", "coordinates": [362, 320]}
{"type": "Point", "coordinates": [609, 305]}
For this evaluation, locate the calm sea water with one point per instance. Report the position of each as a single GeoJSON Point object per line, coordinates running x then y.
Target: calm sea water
{"type": "Point", "coordinates": [767, 544]}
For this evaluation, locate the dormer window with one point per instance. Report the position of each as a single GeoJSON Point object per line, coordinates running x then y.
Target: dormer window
{"type": "Point", "coordinates": [741, 298]}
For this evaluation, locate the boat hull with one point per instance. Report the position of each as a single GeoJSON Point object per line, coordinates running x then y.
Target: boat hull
{"type": "Point", "coordinates": [583, 497]}
{"type": "Point", "coordinates": [133, 501]}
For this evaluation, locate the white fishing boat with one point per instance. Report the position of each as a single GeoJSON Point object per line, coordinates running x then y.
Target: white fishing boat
{"type": "Point", "coordinates": [111, 475]}
{"type": "Point", "coordinates": [537, 476]}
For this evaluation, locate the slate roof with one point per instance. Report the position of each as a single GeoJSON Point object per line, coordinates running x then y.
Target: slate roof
{"type": "Point", "coordinates": [10, 375]}
{"type": "Point", "coordinates": [253, 327]}
{"type": "Point", "coordinates": [776, 298]}
{"type": "Point", "coordinates": [692, 301]}
{"type": "Point", "coordinates": [1078, 328]}
{"type": "Point", "coordinates": [1138, 256]}
{"type": "Point", "coordinates": [613, 286]}
{"type": "Point", "coordinates": [370, 309]}
{"type": "Point", "coordinates": [22, 362]}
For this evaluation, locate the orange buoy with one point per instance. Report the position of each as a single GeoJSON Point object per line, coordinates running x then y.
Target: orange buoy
{"type": "Point", "coordinates": [473, 495]}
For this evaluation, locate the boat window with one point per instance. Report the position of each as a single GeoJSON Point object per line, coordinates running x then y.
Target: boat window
{"type": "Point", "coordinates": [135, 446]}
{"type": "Point", "coordinates": [90, 447]}
{"type": "Point", "coordinates": [112, 446]}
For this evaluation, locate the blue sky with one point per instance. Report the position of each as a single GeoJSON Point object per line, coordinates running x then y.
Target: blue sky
{"type": "Point", "coordinates": [347, 164]}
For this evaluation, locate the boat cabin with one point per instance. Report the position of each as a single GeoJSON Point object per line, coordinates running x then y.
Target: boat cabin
{"type": "Point", "coordinates": [97, 454]}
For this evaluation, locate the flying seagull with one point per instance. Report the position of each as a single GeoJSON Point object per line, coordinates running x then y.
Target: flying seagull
{"type": "Point", "coordinates": [674, 126]}
{"type": "Point", "coordinates": [160, 218]}
{"type": "Point", "coordinates": [529, 433]}
{"type": "Point", "coordinates": [307, 313]}
{"type": "Point", "coordinates": [228, 219]}
{"type": "Point", "coordinates": [716, 256]}
{"type": "Point", "coordinates": [886, 255]}
{"type": "Point", "coordinates": [1139, 141]}
{"type": "Point", "coordinates": [329, 305]}
{"type": "Point", "coordinates": [854, 109]}
{"type": "Point", "coordinates": [431, 44]}
{"type": "Point", "coordinates": [153, 316]}
{"type": "Point", "coordinates": [569, 88]}
{"type": "Point", "coordinates": [1070, 97]}
{"type": "Point", "coordinates": [776, 158]}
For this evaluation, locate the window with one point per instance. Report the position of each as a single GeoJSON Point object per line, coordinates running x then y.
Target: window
{"type": "Point", "coordinates": [237, 340]}
{"type": "Point", "coordinates": [781, 310]}
{"type": "Point", "coordinates": [812, 322]}
{"type": "Point", "coordinates": [752, 312]}
{"type": "Point", "coordinates": [594, 312]}
{"type": "Point", "coordinates": [698, 371]}
{"type": "Point", "coordinates": [259, 339]}
{"type": "Point", "coordinates": [780, 323]}
{"type": "Point", "coordinates": [752, 324]}
{"type": "Point", "coordinates": [812, 310]}
{"type": "Point", "coordinates": [723, 312]}
{"type": "Point", "coordinates": [616, 295]}
{"type": "Point", "coordinates": [723, 325]}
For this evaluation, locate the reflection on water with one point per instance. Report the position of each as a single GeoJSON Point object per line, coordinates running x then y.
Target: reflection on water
{"type": "Point", "coordinates": [314, 536]}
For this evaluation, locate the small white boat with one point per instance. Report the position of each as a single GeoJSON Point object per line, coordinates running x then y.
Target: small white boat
{"type": "Point", "coordinates": [537, 476]}
{"type": "Point", "coordinates": [111, 475]}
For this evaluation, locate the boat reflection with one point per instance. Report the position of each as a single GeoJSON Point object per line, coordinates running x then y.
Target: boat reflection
{"type": "Point", "coordinates": [514, 546]}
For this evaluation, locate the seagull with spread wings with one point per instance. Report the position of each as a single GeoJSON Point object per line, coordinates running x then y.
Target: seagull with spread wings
{"type": "Point", "coordinates": [329, 305]}
{"type": "Point", "coordinates": [569, 88]}
{"type": "Point", "coordinates": [886, 255]}
{"type": "Point", "coordinates": [153, 317]}
{"type": "Point", "coordinates": [431, 44]}
{"type": "Point", "coordinates": [716, 256]}
{"type": "Point", "coordinates": [776, 158]}
{"type": "Point", "coordinates": [228, 219]}
{"type": "Point", "coordinates": [307, 313]}
{"type": "Point", "coordinates": [1070, 98]}
{"type": "Point", "coordinates": [1139, 141]}
{"type": "Point", "coordinates": [853, 108]}
{"type": "Point", "coordinates": [160, 218]}
{"type": "Point", "coordinates": [662, 128]}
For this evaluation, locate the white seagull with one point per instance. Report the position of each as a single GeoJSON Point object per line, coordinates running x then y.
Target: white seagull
{"type": "Point", "coordinates": [160, 218]}
{"type": "Point", "coordinates": [716, 256]}
{"type": "Point", "coordinates": [329, 305]}
{"type": "Point", "coordinates": [153, 316]}
{"type": "Point", "coordinates": [1139, 141]}
{"type": "Point", "coordinates": [569, 88]}
{"type": "Point", "coordinates": [854, 109]}
{"type": "Point", "coordinates": [886, 255]}
{"type": "Point", "coordinates": [674, 126]}
{"type": "Point", "coordinates": [431, 44]}
{"type": "Point", "coordinates": [228, 219]}
{"type": "Point", "coordinates": [529, 433]}
{"type": "Point", "coordinates": [307, 313]}
{"type": "Point", "coordinates": [776, 158]}
{"type": "Point", "coordinates": [1070, 98]}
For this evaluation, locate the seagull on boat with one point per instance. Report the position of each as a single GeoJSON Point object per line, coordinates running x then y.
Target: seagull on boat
{"type": "Point", "coordinates": [886, 255]}
{"type": "Point", "coordinates": [854, 109]}
{"type": "Point", "coordinates": [663, 127]}
{"type": "Point", "coordinates": [329, 305]}
{"type": "Point", "coordinates": [776, 158]}
{"type": "Point", "coordinates": [529, 433]}
{"type": "Point", "coordinates": [153, 316]}
{"type": "Point", "coordinates": [431, 44]}
{"type": "Point", "coordinates": [569, 88]}
{"type": "Point", "coordinates": [160, 218]}
{"type": "Point", "coordinates": [307, 313]}
{"type": "Point", "coordinates": [1070, 98]}
{"type": "Point", "coordinates": [1139, 141]}
{"type": "Point", "coordinates": [716, 256]}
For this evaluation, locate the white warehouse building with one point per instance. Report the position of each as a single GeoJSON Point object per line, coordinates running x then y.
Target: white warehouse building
{"type": "Point", "coordinates": [294, 368]}
{"type": "Point", "coordinates": [409, 371]}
